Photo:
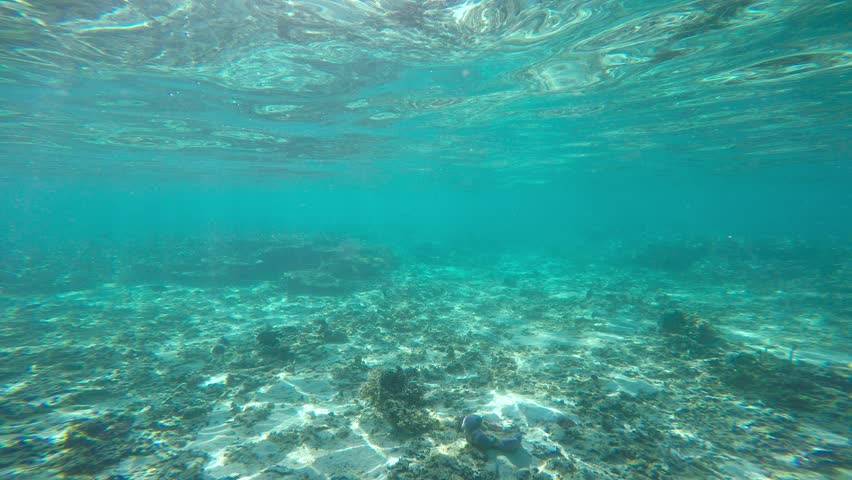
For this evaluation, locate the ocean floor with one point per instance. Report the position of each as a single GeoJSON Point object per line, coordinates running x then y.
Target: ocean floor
{"type": "Point", "coordinates": [324, 358]}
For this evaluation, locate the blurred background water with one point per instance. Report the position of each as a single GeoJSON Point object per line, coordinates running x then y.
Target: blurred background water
{"type": "Point", "coordinates": [498, 121]}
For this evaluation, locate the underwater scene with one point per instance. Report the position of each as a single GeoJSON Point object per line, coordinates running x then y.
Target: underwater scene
{"type": "Point", "coordinates": [425, 239]}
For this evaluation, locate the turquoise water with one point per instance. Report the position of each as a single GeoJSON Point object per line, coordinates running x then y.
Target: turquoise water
{"type": "Point", "coordinates": [621, 229]}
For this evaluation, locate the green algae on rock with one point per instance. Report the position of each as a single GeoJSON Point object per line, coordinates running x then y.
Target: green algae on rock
{"type": "Point", "coordinates": [780, 383]}
{"type": "Point", "coordinates": [93, 444]}
{"type": "Point", "coordinates": [688, 332]}
{"type": "Point", "coordinates": [397, 396]}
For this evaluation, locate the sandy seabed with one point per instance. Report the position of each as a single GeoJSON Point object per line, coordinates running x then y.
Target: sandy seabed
{"type": "Point", "coordinates": [333, 359]}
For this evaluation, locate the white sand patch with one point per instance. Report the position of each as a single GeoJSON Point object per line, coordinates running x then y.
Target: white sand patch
{"type": "Point", "coordinates": [635, 387]}
{"type": "Point", "coordinates": [242, 444]}
{"type": "Point", "coordinates": [521, 409]}
{"type": "Point", "coordinates": [361, 461]}
{"type": "Point", "coordinates": [281, 392]}
{"type": "Point", "coordinates": [215, 380]}
{"type": "Point", "coordinates": [824, 436]}
{"type": "Point", "coordinates": [742, 469]}
{"type": "Point", "coordinates": [542, 339]}
{"type": "Point", "coordinates": [313, 386]}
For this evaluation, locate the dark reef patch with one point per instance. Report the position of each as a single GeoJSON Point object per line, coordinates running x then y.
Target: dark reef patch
{"type": "Point", "coordinates": [688, 333]}
{"type": "Point", "coordinates": [398, 397]}
{"type": "Point", "coordinates": [781, 383]}
{"type": "Point", "coordinates": [93, 444]}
